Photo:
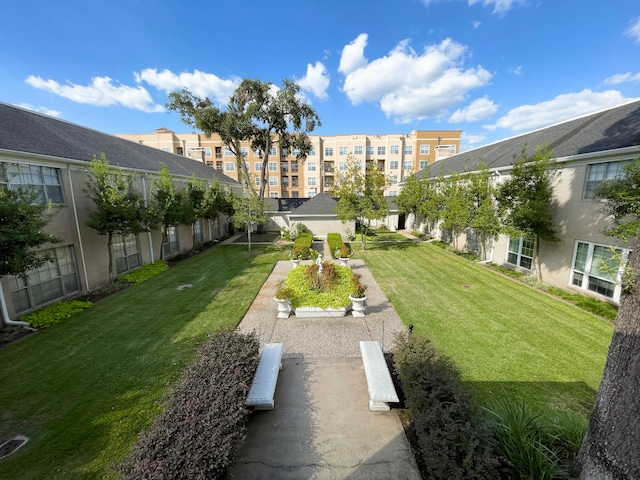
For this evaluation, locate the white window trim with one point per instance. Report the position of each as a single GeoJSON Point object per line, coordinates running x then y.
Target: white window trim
{"type": "Point", "coordinates": [617, 290]}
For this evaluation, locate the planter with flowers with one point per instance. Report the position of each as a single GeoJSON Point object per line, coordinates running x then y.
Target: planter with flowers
{"type": "Point", "coordinates": [358, 297]}
{"type": "Point", "coordinates": [343, 254]}
{"type": "Point", "coordinates": [283, 297]}
{"type": "Point", "coordinates": [298, 253]}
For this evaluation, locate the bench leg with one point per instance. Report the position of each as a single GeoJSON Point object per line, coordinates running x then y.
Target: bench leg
{"type": "Point", "coordinates": [375, 406]}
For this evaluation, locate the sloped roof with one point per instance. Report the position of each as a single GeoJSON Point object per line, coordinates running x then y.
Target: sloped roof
{"type": "Point", "coordinates": [321, 204]}
{"type": "Point", "coordinates": [30, 132]}
{"type": "Point", "coordinates": [283, 204]}
{"type": "Point", "coordinates": [610, 129]}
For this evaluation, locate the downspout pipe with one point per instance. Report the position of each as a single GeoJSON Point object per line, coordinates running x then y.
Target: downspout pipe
{"type": "Point", "coordinates": [5, 313]}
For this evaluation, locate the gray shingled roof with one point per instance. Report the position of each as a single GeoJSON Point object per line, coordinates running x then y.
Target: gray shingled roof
{"type": "Point", "coordinates": [611, 129]}
{"type": "Point", "coordinates": [283, 204]}
{"type": "Point", "coordinates": [321, 204]}
{"type": "Point", "coordinates": [30, 132]}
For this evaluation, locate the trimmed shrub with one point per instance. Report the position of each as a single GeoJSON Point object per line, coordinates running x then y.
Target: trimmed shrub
{"type": "Point", "coordinates": [205, 421]}
{"type": "Point", "coordinates": [454, 439]}
{"type": "Point", "coordinates": [54, 313]}
{"type": "Point", "coordinates": [304, 239]}
{"type": "Point", "coordinates": [144, 272]}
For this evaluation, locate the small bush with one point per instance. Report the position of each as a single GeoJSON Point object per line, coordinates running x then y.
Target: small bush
{"type": "Point", "coordinates": [308, 289]}
{"type": "Point", "coordinates": [204, 422]}
{"type": "Point", "coordinates": [54, 313]}
{"type": "Point", "coordinates": [454, 439]}
{"type": "Point", "coordinates": [304, 239]}
{"type": "Point", "coordinates": [144, 272]}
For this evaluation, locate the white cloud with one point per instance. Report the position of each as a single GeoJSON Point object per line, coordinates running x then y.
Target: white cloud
{"type": "Point", "coordinates": [634, 30]}
{"type": "Point", "coordinates": [515, 70]}
{"type": "Point", "coordinates": [199, 83]}
{"type": "Point", "coordinates": [622, 78]}
{"type": "Point", "coordinates": [45, 110]}
{"type": "Point", "coordinates": [409, 86]}
{"type": "Point", "coordinates": [499, 6]}
{"type": "Point", "coordinates": [352, 56]}
{"type": "Point", "coordinates": [471, 141]}
{"type": "Point", "coordinates": [476, 23]}
{"type": "Point", "coordinates": [101, 92]}
{"type": "Point", "coordinates": [479, 109]}
{"type": "Point", "coordinates": [561, 108]}
{"type": "Point", "coordinates": [316, 80]}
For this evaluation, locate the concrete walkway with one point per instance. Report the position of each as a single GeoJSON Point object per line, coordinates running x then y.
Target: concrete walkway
{"type": "Point", "coordinates": [321, 427]}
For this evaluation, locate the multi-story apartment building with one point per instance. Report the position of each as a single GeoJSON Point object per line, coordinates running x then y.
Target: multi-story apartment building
{"type": "Point", "coordinates": [397, 155]}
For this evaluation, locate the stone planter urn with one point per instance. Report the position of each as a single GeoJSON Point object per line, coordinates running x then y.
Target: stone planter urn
{"type": "Point", "coordinates": [284, 307]}
{"type": "Point", "coordinates": [344, 261]}
{"type": "Point", "coordinates": [358, 305]}
{"type": "Point", "coordinates": [295, 262]}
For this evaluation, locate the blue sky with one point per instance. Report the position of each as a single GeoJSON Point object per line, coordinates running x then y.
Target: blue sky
{"type": "Point", "coordinates": [491, 68]}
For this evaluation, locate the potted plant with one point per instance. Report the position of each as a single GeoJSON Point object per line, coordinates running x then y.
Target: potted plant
{"type": "Point", "coordinates": [283, 297]}
{"type": "Point", "coordinates": [299, 252]}
{"type": "Point", "coordinates": [343, 253]}
{"type": "Point", "coordinates": [358, 297]}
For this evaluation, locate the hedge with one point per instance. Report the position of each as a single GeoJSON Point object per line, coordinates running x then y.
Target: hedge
{"type": "Point", "coordinates": [205, 421]}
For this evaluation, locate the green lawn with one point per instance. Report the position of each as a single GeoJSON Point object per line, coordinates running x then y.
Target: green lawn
{"type": "Point", "coordinates": [508, 339]}
{"type": "Point", "coordinates": [83, 389]}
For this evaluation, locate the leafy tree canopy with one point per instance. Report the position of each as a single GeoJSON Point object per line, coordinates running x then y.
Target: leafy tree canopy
{"type": "Point", "coordinates": [622, 201]}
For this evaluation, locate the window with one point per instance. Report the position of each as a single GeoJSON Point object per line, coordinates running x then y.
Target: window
{"type": "Point", "coordinates": [311, 166]}
{"type": "Point", "coordinates": [273, 194]}
{"type": "Point", "coordinates": [257, 152]}
{"type": "Point", "coordinates": [394, 149]}
{"type": "Point", "coordinates": [284, 153]}
{"type": "Point", "coordinates": [273, 166]}
{"type": "Point", "coordinates": [393, 179]}
{"type": "Point", "coordinates": [393, 193]}
{"type": "Point", "coordinates": [198, 233]}
{"type": "Point", "coordinates": [44, 180]}
{"type": "Point", "coordinates": [521, 252]}
{"type": "Point", "coordinates": [166, 149]}
{"type": "Point", "coordinates": [344, 150]}
{"type": "Point", "coordinates": [408, 150]}
{"type": "Point", "coordinates": [127, 252]}
{"type": "Point", "coordinates": [207, 152]}
{"type": "Point", "coordinates": [369, 150]}
{"type": "Point", "coordinates": [171, 244]}
{"type": "Point", "coordinates": [244, 151]}
{"type": "Point", "coordinates": [597, 268]}
{"type": "Point", "coordinates": [357, 150]}
{"type": "Point", "coordinates": [257, 181]}
{"type": "Point", "coordinates": [228, 152]}
{"type": "Point", "coordinates": [218, 152]}
{"type": "Point", "coordinates": [424, 149]}
{"type": "Point", "coordinates": [342, 166]}
{"type": "Point", "coordinates": [311, 181]}
{"type": "Point", "coordinates": [230, 166]}
{"type": "Point", "coordinates": [55, 279]}
{"type": "Point", "coordinates": [424, 164]}
{"type": "Point", "coordinates": [393, 164]}
{"type": "Point", "coordinates": [599, 172]}
{"type": "Point", "coordinates": [328, 151]}
{"type": "Point", "coordinates": [407, 164]}
{"type": "Point", "coordinates": [257, 166]}
{"type": "Point", "coordinates": [381, 150]}
{"type": "Point", "coordinates": [273, 151]}
{"type": "Point", "coordinates": [313, 151]}
{"type": "Point", "coordinates": [273, 181]}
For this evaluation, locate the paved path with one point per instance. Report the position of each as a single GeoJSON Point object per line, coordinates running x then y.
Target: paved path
{"type": "Point", "coordinates": [321, 427]}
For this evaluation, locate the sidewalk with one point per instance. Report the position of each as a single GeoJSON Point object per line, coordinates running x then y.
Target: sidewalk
{"type": "Point", "coordinates": [321, 427]}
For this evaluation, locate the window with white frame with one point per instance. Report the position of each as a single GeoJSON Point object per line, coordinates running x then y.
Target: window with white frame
{"type": "Point", "coordinates": [312, 152]}
{"type": "Point", "coordinates": [393, 164]}
{"type": "Point", "coordinates": [257, 152]}
{"type": "Point", "coordinates": [369, 149]}
{"type": "Point", "coordinates": [45, 181]}
{"type": "Point", "coordinates": [311, 166]}
{"type": "Point", "coordinates": [207, 151]}
{"type": "Point", "coordinates": [424, 164]}
{"type": "Point", "coordinates": [198, 232]}
{"type": "Point", "coordinates": [407, 164]}
{"type": "Point", "coordinates": [55, 279]}
{"type": "Point", "coordinates": [171, 244]}
{"type": "Point", "coordinates": [230, 166]}
{"type": "Point", "coordinates": [342, 166]}
{"type": "Point", "coordinates": [273, 151]}
{"type": "Point", "coordinates": [228, 152]}
{"type": "Point", "coordinates": [343, 150]}
{"type": "Point", "coordinates": [597, 268]}
{"type": "Point", "coordinates": [273, 181]}
{"type": "Point", "coordinates": [394, 149]}
{"type": "Point", "coordinates": [357, 150]}
{"type": "Point", "coordinates": [424, 149]}
{"type": "Point", "coordinates": [598, 173]}
{"type": "Point", "coordinates": [257, 181]}
{"type": "Point", "coordinates": [166, 149]}
{"type": "Point", "coordinates": [244, 151]}
{"type": "Point", "coordinates": [328, 151]}
{"type": "Point", "coordinates": [126, 252]}
{"type": "Point", "coordinates": [273, 166]}
{"type": "Point", "coordinates": [520, 252]}
{"type": "Point", "coordinates": [257, 166]}
{"type": "Point", "coordinates": [393, 179]}
{"type": "Point", "coordinates": [393, 193]}
{"type": "Point", "coordinates": [381, 150]}
{"type": "Point", "coordinates": [408, 150]}
{"type": "Point", "coordinates": [273, 194]}
{"type": "Point", "coordinates": [311, 181]}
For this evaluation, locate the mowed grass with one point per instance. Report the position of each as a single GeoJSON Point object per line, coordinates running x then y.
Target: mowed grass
{"type": "Point", "coordinates": [82, 390]}
{"type": "Point", "coordinates": [508, 339]}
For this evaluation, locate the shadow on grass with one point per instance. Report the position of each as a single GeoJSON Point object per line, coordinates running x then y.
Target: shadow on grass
{"type": "Point", "coordinates": [88, 385]}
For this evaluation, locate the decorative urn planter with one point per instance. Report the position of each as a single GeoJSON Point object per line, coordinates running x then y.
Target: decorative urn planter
{"type": "Point", "coordinates": [295, 262]}
{"type": "Point", "coordinates": [358, 305]}
{"type": "Point", "coordinates": [344, 261]}
{"type": "Point", "coordinates": [284, 307]}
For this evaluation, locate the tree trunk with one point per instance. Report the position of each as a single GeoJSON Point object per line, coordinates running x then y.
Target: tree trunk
{"type": "Point", "coordinates": [109, 249]}
{"type": "Point", "coordinates": [611, 447]}
{"type": "Point", "coordinates": [537, 258]}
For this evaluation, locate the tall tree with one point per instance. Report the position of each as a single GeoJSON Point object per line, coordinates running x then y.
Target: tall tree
{"type": "Point", "coordinates": [249, 211]}
{"type": "Point", "coordinates": [411, 196]}
{"type": "Point", "coordinates": [22, 220]}
{"type": "Point", "coordinates": [484, 217]}
{"type": "Point", "coordinates": [524, 199]}
{"type": "Point", "coordinates": [171, 205]}
{"type": "Point", "coordinates": [216, 201]}
{"type": "Point", "coordinates": [120, 208]}
{"type": "Point", "coordinates": [610, 447]}
{"type": "Point", "coordinates": [257, 112]}
{"type": "Point", "coordinates": [361, 197]}
{"type": "Point", "coordinates": [457, 206]}
{"type": "Point", "coordinates": [433, 204]}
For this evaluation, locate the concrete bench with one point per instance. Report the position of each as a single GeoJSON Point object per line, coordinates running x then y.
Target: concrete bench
{"type": "Point", "coordinates": [263, 386]}
{"type": "Point", "coordinates": [379, 382]}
